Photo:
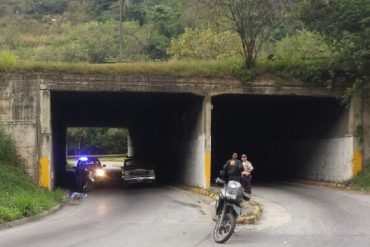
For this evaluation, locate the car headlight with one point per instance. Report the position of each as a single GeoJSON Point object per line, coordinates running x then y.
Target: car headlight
{"type": "Point", "coordinates": [100, 173]}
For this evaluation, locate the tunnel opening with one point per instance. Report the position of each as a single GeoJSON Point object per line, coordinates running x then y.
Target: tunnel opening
{"type": "Point", "coordinates": [164, 128]}
{"type": "Point", "coordinates": [285, 137]}
{"type": "Point", "coordinates": [108, 145]}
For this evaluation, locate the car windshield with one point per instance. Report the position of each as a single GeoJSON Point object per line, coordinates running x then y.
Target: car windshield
{"type": "Point", "coordinates": [132, 163]}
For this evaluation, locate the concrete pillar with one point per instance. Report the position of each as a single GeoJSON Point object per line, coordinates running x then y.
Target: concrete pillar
{"type": "Point", "coordinates": [130, 145]}
{"type": "Point", "coordinates": [207, 118]}
{"type": "Point", "coordinates": [366, 124]}
{"type": "Point", "coordinates": [46, 178]}
{"type": "Point", "coordinates": [355, 129]}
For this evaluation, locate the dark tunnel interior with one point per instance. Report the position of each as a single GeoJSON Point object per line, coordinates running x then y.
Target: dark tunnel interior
{"type": "Point", "coordinates": [278, 133]}
{"type": "Point", "coordinates": [271, 130]}
{"type": "Point", "coordinates": [161, 125]}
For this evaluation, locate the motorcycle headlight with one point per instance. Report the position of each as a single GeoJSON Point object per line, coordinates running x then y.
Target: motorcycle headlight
{"type": "Point", "coordinates": [231, 196]}
{"type": "Point", "coordinates": [100, 173]}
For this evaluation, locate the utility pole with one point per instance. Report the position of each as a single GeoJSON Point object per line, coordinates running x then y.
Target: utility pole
{"type": "Point", "coordinates": [123, 5]}
{"type": "Point", "coordinates": [120, 29]}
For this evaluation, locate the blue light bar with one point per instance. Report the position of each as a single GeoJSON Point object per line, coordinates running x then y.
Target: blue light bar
{"type": "Point", "coordinates": [83, 159]}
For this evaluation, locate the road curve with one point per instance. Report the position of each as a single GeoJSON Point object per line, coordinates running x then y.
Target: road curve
{"type": "Point", "coordinates": [294, 215]}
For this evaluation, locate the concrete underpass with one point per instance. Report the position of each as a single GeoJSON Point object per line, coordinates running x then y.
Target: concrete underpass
{"type": "Point", "coordinates": [283, 136]}
{"type": "Point", "coordinates": [165, 129]}
{"type": "Point", "coordinates": [189, 126]}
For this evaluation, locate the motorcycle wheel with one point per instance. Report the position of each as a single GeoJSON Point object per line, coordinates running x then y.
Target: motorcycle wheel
{"type": "Point", "coordinates": [224, 230]}
{"type": "Point", "coordinates": [87, 186]}
{"type": "Point", "coordinates": [80, 184]}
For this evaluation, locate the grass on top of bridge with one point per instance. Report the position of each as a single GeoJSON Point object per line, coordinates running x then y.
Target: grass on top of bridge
{"type": "Point", "coordinates": [172, 68]}
{"type": "Point", "coordinates": [227, 68]}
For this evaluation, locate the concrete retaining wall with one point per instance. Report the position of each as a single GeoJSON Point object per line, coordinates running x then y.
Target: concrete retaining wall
{"type": "Point", "coordinates": [364, 129]}
{"type": "Point", "coordinates": [19, 107]}
{"type": "Point", "coordinates": [324, 159]}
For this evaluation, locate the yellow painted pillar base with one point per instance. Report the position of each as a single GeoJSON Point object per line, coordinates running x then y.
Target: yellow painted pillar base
{"type": "Point", "coordinates": [356, 163]}
{"type": "Point", "coordinates": [44, 172]}
{"type": "Point", "coordinates": [207, 170]}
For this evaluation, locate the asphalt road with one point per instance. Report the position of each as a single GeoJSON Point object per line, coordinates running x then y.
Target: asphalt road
{"type": "Point", "coordinates": [167, 216]}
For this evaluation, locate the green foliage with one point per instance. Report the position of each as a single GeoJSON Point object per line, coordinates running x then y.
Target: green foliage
{"type": "Point", "coordinates": [19, 196]}
{"type": "Point", "coordinates": [301, 46]}
{"type": "Point", "coordinates": [140, 42]}
{"type": "Point", "coordinates": [310, 71]}
{"type": "Point", "coordinates": [93, 42]}
{"type": "Point", "coordinates": [346, 26]}
{"type": "Point", "coordinates": [96, 8]}
{"type": "Point", "coordinates": [254, 21]}
{"type": "Point", "coordinates": [10, 36]}
{"type": "Point", "coordinates": [96, 141]}
{"type": "Point", "coordinates": [361, 181]}
{"type": "Point", "coordinates": [338, 20]}
{"type": "Point", "coordinates": [38, 9]}
{"type": "Point", "coordinates": [215, 68]}
{"type": "Point", "coordinates": [205, 44]}
{"type": "Point", "coordinates": [8, 60]}
{"type": "Point", "coordinates": [98, 42]}
{"type": "Point", "coordinates": [163, 19]}
{"type": "Point", "coordinates": [7, 148]}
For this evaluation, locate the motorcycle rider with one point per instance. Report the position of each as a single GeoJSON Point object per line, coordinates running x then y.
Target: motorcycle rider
{"type": "Point", "coordinates": [233, 168]}
{"type": "Point", "coordinates": [85, 165]}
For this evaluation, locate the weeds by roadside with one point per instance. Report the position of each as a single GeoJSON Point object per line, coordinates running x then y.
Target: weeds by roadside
{"type": "Point", "coordinates": [19, 195]}
{"type": "Point", "coordinates": [361, 181]}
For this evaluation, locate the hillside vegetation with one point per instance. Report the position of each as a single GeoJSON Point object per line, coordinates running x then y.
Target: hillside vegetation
{"type": "Point", "coordinates": [316, 41]}
{"type": "Point", "coordinates": [19, 195]}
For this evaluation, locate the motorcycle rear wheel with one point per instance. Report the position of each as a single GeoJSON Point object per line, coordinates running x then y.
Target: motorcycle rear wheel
{"type": "Point", "coordinates": [223, 230]}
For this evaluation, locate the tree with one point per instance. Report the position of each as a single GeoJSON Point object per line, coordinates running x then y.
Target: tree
{"type": "Point", "coordinates": [96, 141]}
{"type": "Point", "coordinates": [43, 7]}
{"type": "Point", "coordinates": [205, 44]}
{"type": "Point", "coordinates": [95, 8]}
{"type": "Point", "coordinates": [93, 42]}
{"type": "Point", "coordinates": [346, 26]}
{"type": "Point", "coordinates": [164, 18]}
{"type": "Point", "coordinates": [254, 21]}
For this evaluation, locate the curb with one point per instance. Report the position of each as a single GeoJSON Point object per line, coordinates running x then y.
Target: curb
{"type": "Point", "coordinates": [29, 219]}
{"type": "Point", "coordinates": [318, 183]}
{"type": "Point", "coordinates": [251, 218]}
{"type": "Point", "coordinates": [333, 185]}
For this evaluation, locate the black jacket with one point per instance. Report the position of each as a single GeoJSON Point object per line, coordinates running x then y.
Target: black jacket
{"type": "Point", "coordinates": [233, 172]}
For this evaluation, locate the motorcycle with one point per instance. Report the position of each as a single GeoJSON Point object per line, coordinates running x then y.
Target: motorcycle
{"type": "Point", "coordinates": [228, 208]}
{"type": "Point", "coordinates": [88, 176]}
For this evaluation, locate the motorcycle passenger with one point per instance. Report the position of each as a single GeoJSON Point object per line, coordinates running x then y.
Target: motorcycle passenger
{"type": "Point", "coordinates": [247, 176]}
